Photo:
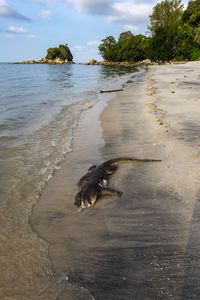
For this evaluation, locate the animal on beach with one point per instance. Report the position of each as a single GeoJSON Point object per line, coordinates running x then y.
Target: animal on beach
{"type": "Point", "coordinates": [94, 183]}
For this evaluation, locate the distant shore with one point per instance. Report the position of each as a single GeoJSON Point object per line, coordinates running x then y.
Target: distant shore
{"type": "Point", "coordinates": [44, 60]}
{"type": "Point", "coordinates": [94, 62]}
{"type": "Point", "coordinates": [91, 62]}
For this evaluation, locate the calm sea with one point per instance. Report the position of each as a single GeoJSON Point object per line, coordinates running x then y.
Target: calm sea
{"type": "Point", "coordinates": [40, 106]}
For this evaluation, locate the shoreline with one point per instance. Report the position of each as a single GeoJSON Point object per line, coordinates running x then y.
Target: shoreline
{"type": "Point", "coordinates": [93, 62]}
{"type": "Point", "coordinates": [71, 290]}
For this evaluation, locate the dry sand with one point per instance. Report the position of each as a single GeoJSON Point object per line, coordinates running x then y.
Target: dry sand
{"type": "Point", "coordinates": [146, 244]}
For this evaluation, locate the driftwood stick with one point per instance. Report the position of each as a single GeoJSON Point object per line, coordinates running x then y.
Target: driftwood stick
{"type": "Point", "coordinates": [110, 91]}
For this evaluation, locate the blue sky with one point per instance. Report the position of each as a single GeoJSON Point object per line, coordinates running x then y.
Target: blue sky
{"type": "Point", "coordinates": [29, 27]}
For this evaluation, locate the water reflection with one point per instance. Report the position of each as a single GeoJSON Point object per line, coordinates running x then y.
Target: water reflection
{"type": "Point", "coordinates": [113, 71]}
{"type": "Point", "coordinates": [60, 75]}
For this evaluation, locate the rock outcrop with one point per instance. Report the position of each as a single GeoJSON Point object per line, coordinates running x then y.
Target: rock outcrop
{"type": "Point", "coordinates": [57, 55]}
{"type": "Point", "coordinates": [111, 63]}
{"type": "Point", "coordinates": [92, 62]}
{"type": "Point", "coordinates": [44, 60]}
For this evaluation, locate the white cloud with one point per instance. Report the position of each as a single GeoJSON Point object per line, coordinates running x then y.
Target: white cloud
{"type": "Point", "coordinates": [13, 31]}
{"type": "Point", "coordinates": [111, 7]}
{"type": "Point", "coordinates": [79, 48]}
{"type": "Point", "coordinates": [135, 8]}
{"type": "Point", "coordinates": [130, 12]}
{"type": "Point", "coordinates": [31, 36]}
{"type": "Point", "coordinates": [46, 14]}
{"type": "Point", "coordinates": [7, 11]}
{"type": "Point", "coordinates": [91, 6]}
{"type": "Point", "coordinates": [131, 27]}
{"type": "Point", "coordinates": [93, 43]}
{"type": "Point", "coordinates": [40, 1]}
{"type": "Point", "coordinates": [16, 30]}
{"type": "Point", "coordinates": [12, 35]}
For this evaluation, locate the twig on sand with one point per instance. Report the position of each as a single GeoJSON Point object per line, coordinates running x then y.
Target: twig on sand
{"type": "Point", "coordinates": [110, 91]}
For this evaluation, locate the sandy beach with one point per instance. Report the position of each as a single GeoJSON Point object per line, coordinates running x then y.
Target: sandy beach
{"type": "Point", "coordinates": [146, 244]}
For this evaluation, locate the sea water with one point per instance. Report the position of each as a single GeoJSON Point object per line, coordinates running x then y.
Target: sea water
{"type": "Point", "coordinates": [39, 107]}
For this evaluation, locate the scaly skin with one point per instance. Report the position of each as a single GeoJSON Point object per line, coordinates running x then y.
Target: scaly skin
{"type": "Point", "coordinates": [94, 184]}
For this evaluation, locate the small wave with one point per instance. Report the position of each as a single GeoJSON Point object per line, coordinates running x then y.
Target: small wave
{"type": "Point", "coordinates": [3, 126]}
{"type": "Point", "coordinates": [5, 138]}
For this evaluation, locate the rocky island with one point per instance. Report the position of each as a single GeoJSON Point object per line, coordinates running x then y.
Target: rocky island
{"type": "Point", "coordinates": [57, 55]}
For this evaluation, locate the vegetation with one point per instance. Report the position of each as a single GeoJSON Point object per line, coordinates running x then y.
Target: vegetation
{"type": "Point", "coordinates": [63, 52]}
{"type": "Point", "coordinates": [166, 13]}
{"type": "Point", "coordinates": [174, 34]}
{"type": "Point", "coordinates": [192, 14]}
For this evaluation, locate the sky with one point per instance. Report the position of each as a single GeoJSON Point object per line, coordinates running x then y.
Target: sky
{"type": "Point", "coordinates": [29, 27]}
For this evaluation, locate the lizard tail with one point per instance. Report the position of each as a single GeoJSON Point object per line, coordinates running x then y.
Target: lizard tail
{"type": "Point", "coordinates": [127, 160]}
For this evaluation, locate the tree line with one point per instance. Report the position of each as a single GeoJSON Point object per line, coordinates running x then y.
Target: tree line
{"type": "Point", "coordinates": [174, 34]}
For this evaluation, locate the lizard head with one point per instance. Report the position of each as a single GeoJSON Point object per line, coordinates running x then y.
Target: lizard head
{"type": "Point", "coordinates": [81, 202]}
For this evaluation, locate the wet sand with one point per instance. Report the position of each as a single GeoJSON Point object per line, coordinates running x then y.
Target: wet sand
{"type": "Point", "coordinates": [144, 245]}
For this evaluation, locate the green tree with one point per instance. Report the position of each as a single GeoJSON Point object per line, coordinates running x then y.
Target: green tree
{"type": "Point", "coordinates": [65, 53]}
{"type": "Point", "coordinates": [135, 48]}
{"type": "Point", "coordinates": [124, 35]}
{"type": "Point", "coordinates": [105, 45]}
{"type": "Point", "coordinates": [166, 13]}
{"type": "Point", "coordinates": [164, 23]}
{"type": "Point", "coordinates": [161, 45]}
{"type": "Point", "coordinates": [191, 15]}
{"type": "Point", "coordinates": [52, 53]}
{"type": "Point", "coordinates": [132, 48]}
{"type": "Point", "coordinates": [191, 18]}
{"type": "Point", "coordinates": [197, 35]}
{"type": "Point", "coordinates": [184, 40]}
